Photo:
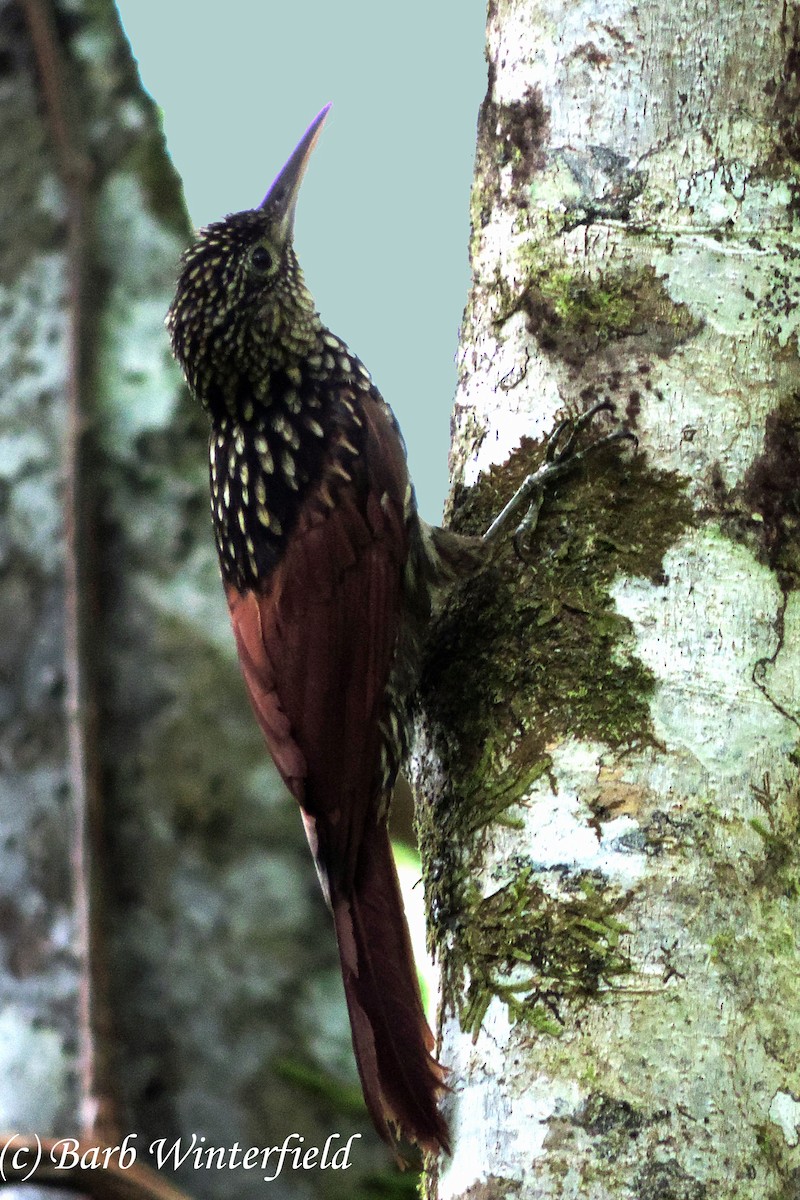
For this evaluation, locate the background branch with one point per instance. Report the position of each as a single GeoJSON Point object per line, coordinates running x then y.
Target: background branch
{"type": "Point", "coordinates": [99, 1115]}
{"type": "Point", "coordinates": [100, 1183]}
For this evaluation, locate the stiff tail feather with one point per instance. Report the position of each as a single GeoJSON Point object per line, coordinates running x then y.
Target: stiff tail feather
{"type": "Point", "coordinates": [401, 1080]}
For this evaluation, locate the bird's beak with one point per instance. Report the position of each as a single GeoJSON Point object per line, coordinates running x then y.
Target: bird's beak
{"type": "Point", "coordinates": [281, 199]}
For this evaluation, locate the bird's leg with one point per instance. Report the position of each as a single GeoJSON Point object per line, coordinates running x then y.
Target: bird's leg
{"type": "Point", "coordinates": [560, 457]}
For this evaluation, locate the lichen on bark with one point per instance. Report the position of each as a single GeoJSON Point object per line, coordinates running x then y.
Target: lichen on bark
{"type": "Point", "coordinates": [531, 651]}
{"type": "Point", "coordinates": [633, 722]}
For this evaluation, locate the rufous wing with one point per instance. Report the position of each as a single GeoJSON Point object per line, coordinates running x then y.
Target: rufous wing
{"type": "Point", "coordinates": [316, 647]}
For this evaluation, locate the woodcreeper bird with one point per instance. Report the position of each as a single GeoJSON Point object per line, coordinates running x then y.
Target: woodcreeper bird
{"type": "Point", "coordinates": [329, 574]}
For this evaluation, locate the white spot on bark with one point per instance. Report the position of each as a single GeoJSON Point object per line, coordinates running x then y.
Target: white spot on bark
{"type": "Point", "coordinates": [498, 362]}
{"type": "Point", "coordinates": [722, 282]}
{"type": "Point", "coordinates": [557, 830]}
{"type": "Point", "coordinates": [33, 1073]}
{"type": "Point", "coordinates": [491, 1110]}
{"type": "Point", "coordinates": [137, 389]}
{"type": "Point", "coordinates": [18, 451]}
{"type": "Point", "coordinates": [703, 634]}
{"type": "Point", "coordinates": [785, 1112]}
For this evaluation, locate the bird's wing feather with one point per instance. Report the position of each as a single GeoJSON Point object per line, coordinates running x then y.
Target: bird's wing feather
{"type": "Point", "coordinates": [316, 645]}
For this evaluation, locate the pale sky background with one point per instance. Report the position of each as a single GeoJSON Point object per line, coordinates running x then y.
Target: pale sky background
{"type": "Point", "coordinates": [383, 220]}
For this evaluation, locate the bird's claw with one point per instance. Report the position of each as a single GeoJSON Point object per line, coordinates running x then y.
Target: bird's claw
{"type": "Point", "coordinates": [557, 453]}
{"type": "Point", "coordinates": [560, 456]}
{"type": "Point", "coordinates": [526, 528]}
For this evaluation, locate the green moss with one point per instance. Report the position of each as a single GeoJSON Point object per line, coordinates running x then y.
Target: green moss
{"type": "Point", "coordinates": [607, 305]}
{"type": "Point", "coordinates": [752, 916]}
{"type": "Point", "coordinates": [532, 651]}
{"type": "Point", "coordinates": [493, 1187]}
{"type": "Point", "coordinates": [779, 831]}
{"type": "Point", "coordinates": [605, 1115]}
{"type": "Point", "coordinates": [768, 1142]}
{"type": "Point", "coordinates": [526, 654]}
{"type": "Point", "coordinates": [531, 950]}
{"type": "Point", "coordinates": [772, 1150]}
{"type": "Point", "coordinates": [721, 945]}
{"type": "Point", "coordinates": [667, 1180]}
{"type": "Point", "coordinates": [574, 313]}
{"type": "Point", "coordinates": [760, 966]}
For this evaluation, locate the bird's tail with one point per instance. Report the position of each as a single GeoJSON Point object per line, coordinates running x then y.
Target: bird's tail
{"type": "Point", "coordinates": [401, 1080]}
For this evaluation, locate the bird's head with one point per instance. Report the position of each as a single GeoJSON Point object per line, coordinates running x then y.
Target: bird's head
{"type": "Point", "coordinates": [241, 305]}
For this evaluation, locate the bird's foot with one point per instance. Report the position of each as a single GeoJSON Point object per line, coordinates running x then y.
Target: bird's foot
{"type": "Point", "coordinates": [561, 456]}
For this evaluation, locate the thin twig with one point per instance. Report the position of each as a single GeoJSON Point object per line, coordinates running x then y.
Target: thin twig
{"type": "Point", "coordinates": [98, 1117]}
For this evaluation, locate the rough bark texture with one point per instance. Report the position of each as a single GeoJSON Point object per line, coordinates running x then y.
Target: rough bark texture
{"type": "Point", "coordinates": [225, 992]}
{"type": "Point", "coordinates": [610, 748]}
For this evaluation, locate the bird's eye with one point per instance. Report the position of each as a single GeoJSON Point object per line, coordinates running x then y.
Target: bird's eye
{"type": "Point", "coordinates": [261, 259]}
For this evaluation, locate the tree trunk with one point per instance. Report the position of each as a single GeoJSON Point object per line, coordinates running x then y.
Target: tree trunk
{"type": "Point", "coordinates": [225, 1016]}
{"type": "Point", "coordinates": [609, 752]}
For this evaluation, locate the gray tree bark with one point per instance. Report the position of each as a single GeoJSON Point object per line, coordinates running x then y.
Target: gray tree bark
{"type": "Point", "coordinates": [225, 1002]}
{"type": "Point", "coordinates": [610, 748]}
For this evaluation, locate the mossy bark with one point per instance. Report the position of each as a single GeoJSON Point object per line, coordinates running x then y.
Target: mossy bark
{"type": "Point", "coordinates": [608, 756]}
